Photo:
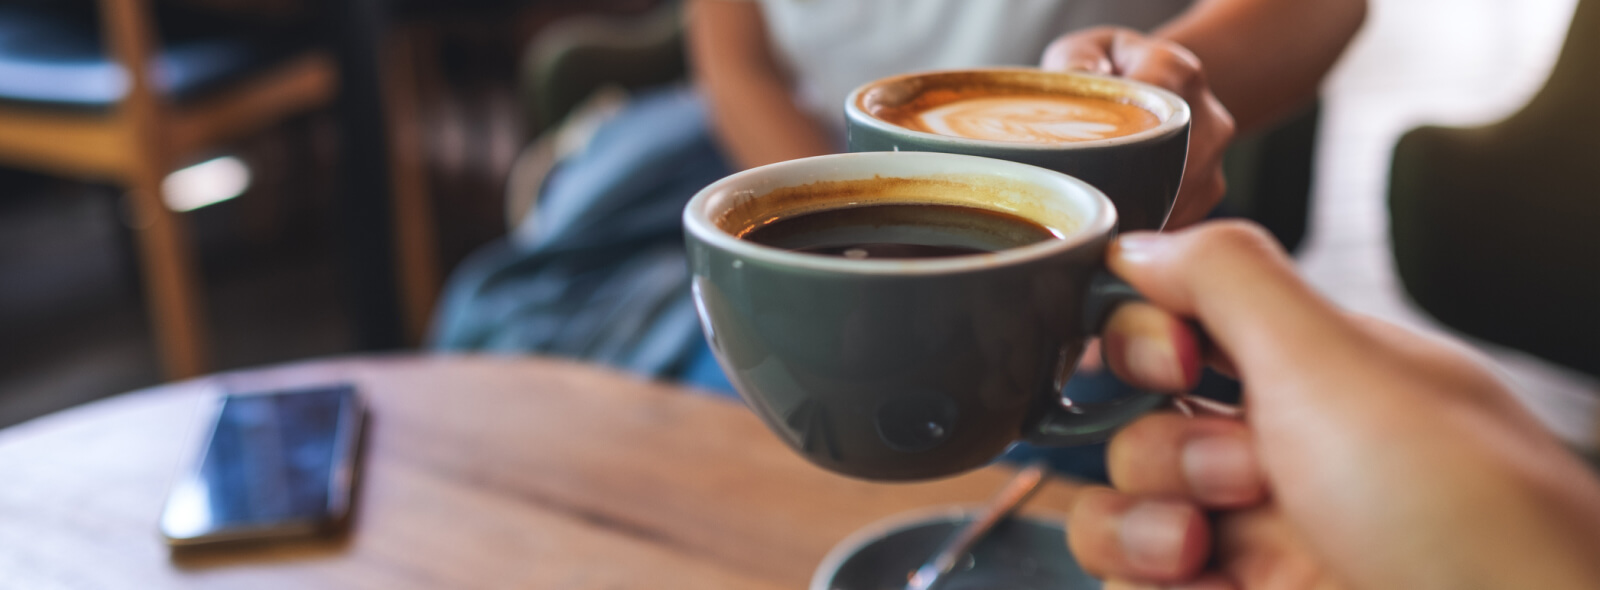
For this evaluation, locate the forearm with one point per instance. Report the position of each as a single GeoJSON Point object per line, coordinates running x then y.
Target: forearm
{"type": "Point", "coordinates": [752, 108]}
{"type": "Point", "coordinates": [758, 123]}
{"type": "Point", "coordinates": [1266, 58]}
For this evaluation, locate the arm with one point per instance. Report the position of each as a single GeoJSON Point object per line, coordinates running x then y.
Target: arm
{"type": "Point", "coordinates": [1261, 59]}
{"type": "Point", "coordinates": [752, 108]}
{"type": "Point", "coordinates": [1265, 58]}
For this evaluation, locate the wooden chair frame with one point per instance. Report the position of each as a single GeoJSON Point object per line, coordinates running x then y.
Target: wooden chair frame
{"type": "Point", "coordinates": [144, 137]}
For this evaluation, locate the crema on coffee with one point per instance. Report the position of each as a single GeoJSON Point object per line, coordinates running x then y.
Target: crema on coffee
{"type": "Point", "coordinates": [1020, 118]}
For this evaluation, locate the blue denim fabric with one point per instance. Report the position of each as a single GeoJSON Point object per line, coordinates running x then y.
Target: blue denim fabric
{"type": "Point", "coordinates": [598, 270]}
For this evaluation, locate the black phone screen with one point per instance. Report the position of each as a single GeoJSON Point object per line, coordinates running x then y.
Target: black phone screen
{"type": "Point", "coordinates": [276, 464]}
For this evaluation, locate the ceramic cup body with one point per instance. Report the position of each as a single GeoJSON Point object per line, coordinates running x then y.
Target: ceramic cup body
{"type": "Point", "coordinates": [1139, 172]}
{"type": "Point", "coordinates": [905, 369]}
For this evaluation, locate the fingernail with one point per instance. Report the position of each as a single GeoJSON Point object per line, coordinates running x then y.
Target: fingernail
{"type": "Point", "coordinates": [1221, 470]}
{"type": "Point", "coordinates": [1153, 360]}
{"type": "Point", "coordinates": [1140, 246]}
{"type": "Point", "coordinates": [1152, 535]}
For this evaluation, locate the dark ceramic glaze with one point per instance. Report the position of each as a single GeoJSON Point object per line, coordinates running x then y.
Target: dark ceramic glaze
{"type": "Point", "coordinates": [1139, 172]}
{"type": "Point", "coordinates": [901, 369]}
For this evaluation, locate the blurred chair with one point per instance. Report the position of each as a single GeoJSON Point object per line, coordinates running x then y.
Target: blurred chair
{"type": "Point", "coordinates": [582, 54]}
{"type": "Point", "coordinates": [108, 102]}
{"type": "Point", "coordinates": [1496, 229]}
{"type": "Point", "coordinates": [1269, 173]}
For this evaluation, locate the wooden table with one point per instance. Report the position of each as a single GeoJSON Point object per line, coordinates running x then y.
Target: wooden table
{"type": "Point", "coordinates": [480, 473]}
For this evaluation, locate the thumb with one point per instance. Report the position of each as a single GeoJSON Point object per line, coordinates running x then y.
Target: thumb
{"type": "Point", "coordinates": [1240, 285]}
{"type": "Point", "coordinates": [1086, 51]}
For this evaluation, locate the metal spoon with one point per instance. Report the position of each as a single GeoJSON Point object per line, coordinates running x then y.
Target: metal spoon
{"type": "Point", "coordinates": [1002, 505]}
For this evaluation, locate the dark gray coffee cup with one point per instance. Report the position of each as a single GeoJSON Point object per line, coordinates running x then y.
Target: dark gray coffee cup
{"type": "Point", "coordinates": [917, 368]}
{"type": "Point", "coordinates": [1139, 172]}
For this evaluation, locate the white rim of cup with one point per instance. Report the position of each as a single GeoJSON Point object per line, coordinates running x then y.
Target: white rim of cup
{"type": "Point", "coordinates": [1100, 218]}
{"type": "Point", "coordinates": [1180, 112]}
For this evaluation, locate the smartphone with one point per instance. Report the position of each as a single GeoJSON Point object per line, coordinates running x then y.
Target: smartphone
{"type": "Point", "coordinates": [275, 465]}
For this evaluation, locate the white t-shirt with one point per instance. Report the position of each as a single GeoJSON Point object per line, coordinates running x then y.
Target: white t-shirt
{"type": "Point", "coordinates": [833, 46]}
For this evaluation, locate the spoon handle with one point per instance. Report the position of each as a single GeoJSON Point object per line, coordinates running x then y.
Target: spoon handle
{"type": "Point", "coordinates": [1015, 492]}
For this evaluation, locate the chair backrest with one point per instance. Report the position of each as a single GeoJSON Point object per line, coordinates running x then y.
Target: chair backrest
{"type": "Point", "coordinates": [579, 54]}
{"type": "Point", "coordinates": [1496, 229]}
{"type": "Point", "coordinates": [129, 30]}
{"type": "Point", "coordinates": [1566, 103]}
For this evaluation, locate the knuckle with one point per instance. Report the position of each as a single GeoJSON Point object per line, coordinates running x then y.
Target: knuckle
{"type": "Point", "coordinates": [1190, 61]}
{"type": "Point", "coordinates": [1123, 34]}
{"type": "Point", "coordinates": [1063, 44]}
{"type": "Point", "coordinates": [1217, 190]}
{"type": "Point", "coordinates": [1128, 454]}
{"type": "Point", "coordinates": [1186, 75]}
{"type": "Point", "coordinates": [1147, 430]}
{"type": "Point", "coordinates": [1234, 239]}
{"type": "Point", "coordinates": [1087, 531]}
{"type": "Point", "coordinates": [1183, 67]}
{"type": "Point", "coordinates": [1226, 126]}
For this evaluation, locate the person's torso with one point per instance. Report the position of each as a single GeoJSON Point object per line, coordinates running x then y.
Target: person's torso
{"type": "Point", "coordinates": [833, 46]}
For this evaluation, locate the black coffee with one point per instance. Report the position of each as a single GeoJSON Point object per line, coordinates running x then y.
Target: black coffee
{"type": "Point", "coordinates": [899, 231]}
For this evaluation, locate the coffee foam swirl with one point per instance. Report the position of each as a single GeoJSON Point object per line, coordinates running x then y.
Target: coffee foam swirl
{"type": "Point", "coordinates": [1035, 119]}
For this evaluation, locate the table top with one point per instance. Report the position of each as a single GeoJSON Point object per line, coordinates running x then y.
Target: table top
{"type": "Point", "coordinates": [479, 472]}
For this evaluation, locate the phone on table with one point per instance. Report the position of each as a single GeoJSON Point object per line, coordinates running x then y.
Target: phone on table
{"type": "Point", "coordinates": [275, 465]}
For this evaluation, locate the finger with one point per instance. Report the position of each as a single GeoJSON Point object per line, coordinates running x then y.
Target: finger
{"type": "Point", "coordinates": [1156, 61]}
{"type": "Point", "coordinates": [1114, 535]}
{"type": "Point", "coordinates": [1208, 460]}
{"type": "Point", "coordinates": [1209, 581]}
{"type": "Point", "coordinates": [1261, 548]}
{"type": "Point", "coordinates": [1212, 355]}
{"type": "Point", "coordinates": [1240, 285]}
{"type": "Point", "coordinates": [1085, 51]}
{"type": "Point", "coordinates": [1091, 362]}
{"type": "Point", "coordinates": [1204, 184]}
{"type": "Point", "coordinates": [1173, 67]}
{"type": "Point", "coordinates": [1152, 349]}
{"type": "Point", "coordinates": [1197, 197]}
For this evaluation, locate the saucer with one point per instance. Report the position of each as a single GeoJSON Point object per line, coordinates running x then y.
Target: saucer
{"type": "Point", "coordinates": [1022, 553]}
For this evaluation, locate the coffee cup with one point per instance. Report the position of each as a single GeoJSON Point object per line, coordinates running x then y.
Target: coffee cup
{"type": "Point", "coordinates": [1127, 138]}
{"type": "Point", "coordinates": [908, 368]}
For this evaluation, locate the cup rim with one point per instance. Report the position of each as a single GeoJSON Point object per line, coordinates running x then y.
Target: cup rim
{"type": "Point", "coordinates": [1100, 221]}
{"type": "Point", "coordinates": [882, 528]}
{"type": "Point", "coordinates": [1179, 118]}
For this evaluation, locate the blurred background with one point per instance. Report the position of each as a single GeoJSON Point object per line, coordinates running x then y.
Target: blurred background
{"type": "Point", "coordinates": [327, 175]}
{"type": "Point", "coordinates": [277, 254]}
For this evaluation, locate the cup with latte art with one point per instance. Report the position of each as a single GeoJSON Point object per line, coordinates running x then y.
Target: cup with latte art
{"type": "Point", "coordinates": [1126, 138]}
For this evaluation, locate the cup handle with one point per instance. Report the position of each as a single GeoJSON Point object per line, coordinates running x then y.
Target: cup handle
{"type": "Point", "coordinates": [1070, 422]}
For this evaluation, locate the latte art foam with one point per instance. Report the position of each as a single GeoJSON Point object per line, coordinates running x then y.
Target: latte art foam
{"type": "Point", "coordinates": [1035, 119]}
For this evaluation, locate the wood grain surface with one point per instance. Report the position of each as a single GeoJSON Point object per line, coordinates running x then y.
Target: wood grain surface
{"type": "Point", "coordinates": [479, 472]}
